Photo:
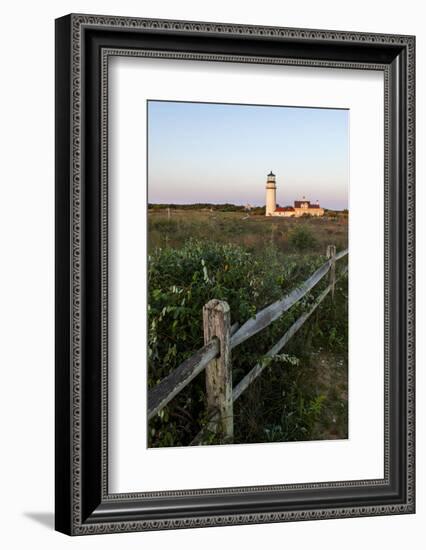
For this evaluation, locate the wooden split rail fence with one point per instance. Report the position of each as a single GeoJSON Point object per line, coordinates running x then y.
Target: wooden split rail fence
{"type": "Point", "coordinates": [220, 338]}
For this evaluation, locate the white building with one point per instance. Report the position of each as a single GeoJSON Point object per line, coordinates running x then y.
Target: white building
{"type": "Point", "coordinates": [300, 208]}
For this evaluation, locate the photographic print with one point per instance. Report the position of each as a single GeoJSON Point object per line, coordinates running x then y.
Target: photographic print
{"type": "Point", "coordinates": [211, 183]}
{"type": "Point", "coordinates": [248, 249]}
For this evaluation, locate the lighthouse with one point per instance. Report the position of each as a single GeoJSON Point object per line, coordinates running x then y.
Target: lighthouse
{"type": "Point", "coordinates": [271, 194]}
{"type": "Point", "coordinates": [300, 208]}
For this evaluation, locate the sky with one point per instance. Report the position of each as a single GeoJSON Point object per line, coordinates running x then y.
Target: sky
{"type": "Point", "coordinates": [222, 153]}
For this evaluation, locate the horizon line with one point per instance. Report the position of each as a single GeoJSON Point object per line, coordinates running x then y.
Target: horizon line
{"type": "Point", "coordinates": [226, 203]}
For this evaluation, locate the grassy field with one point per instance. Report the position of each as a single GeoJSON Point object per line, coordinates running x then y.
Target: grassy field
{"type": "Point", "coordinates": [249, 261]}
{"type": "Point", "coordinates": [251, 232]}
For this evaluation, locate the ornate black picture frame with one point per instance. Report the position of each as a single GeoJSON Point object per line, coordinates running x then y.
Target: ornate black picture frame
{"type": "Point", "coordinates": [83, 45]}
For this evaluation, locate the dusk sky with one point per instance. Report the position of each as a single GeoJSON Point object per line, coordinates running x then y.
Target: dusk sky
{"type": "Point", "coordinates": [218, 153]}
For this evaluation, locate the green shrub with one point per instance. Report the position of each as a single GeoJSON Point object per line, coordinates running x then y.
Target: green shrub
{"type": "Point", "coordinates": [180, 282]}
{"type": "Point", "coordinates": [301, 239]}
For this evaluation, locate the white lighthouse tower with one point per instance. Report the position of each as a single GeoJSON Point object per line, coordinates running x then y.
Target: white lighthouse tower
{"type": "Point", "coordinates": [271, 194]}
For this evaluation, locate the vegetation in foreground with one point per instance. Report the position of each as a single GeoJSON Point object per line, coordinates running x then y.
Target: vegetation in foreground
{"type": "Point", "coordinates": [302, 394]}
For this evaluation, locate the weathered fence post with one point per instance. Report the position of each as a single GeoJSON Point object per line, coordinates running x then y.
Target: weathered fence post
{"type": "Point", "coordinates": [331, 254]}
{"type": "Point", "coordinates": [216, 322]}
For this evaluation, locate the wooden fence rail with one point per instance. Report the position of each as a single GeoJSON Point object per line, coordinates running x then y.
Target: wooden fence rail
{"type": "Point", "coordinates": [169, 387]}
{"type": "Point", "coordinates": [214, 416]}
{"type": "Point", "coordinates": [220, 338]}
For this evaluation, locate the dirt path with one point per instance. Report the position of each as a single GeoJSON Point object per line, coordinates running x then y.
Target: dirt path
{"type": "Point", "coordinates": [332, 382]}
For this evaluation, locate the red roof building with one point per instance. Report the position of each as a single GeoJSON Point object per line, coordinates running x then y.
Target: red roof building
{"type": "Point", "coordinates": [300, 208]}
{"type": "Point", "coordinates": [284, 209]}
